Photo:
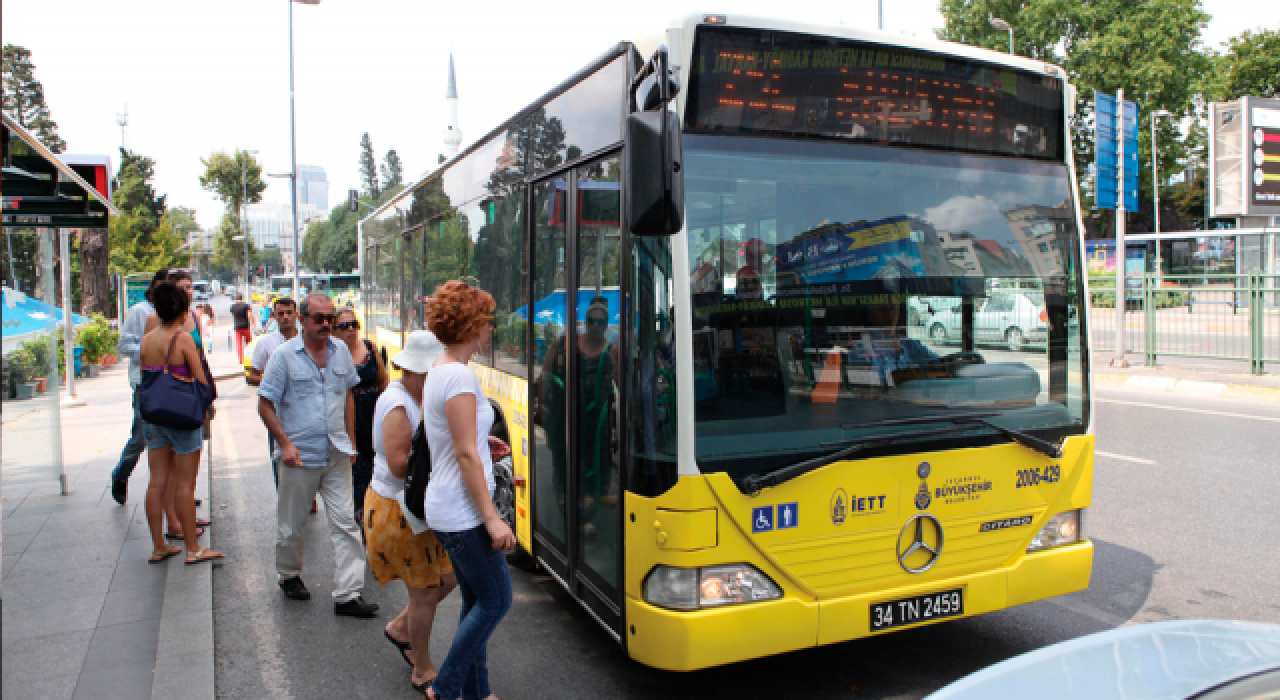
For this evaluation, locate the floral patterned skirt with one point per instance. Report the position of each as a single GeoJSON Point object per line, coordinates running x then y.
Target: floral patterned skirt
{"type": "Point", "coordinates": [395, 552]}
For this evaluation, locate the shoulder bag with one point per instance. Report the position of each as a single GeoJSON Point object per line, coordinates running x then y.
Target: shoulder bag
{"type": "Point", "coordinates": [170, 402]}
{"type": "Point", "coordinates": [419, 473]}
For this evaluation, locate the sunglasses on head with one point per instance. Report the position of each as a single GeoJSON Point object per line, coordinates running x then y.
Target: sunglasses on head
{"type": "Point", "coordinates": [348, 326]}
{"type": "Point", "coordinates": [322, 318]}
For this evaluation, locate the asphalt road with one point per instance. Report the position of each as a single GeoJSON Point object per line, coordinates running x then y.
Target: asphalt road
{"type": "Point", "coordinates": [1182, 520]}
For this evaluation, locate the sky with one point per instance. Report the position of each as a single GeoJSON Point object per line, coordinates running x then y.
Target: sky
{"type": "Point", "coordinates": [202, 77]}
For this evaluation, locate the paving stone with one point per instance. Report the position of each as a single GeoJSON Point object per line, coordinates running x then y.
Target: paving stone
{"type": "Point", "coordinates": [184, 677]}
{"type": "Point", "coordinates": [121, 682]}
{"type": "Point", "coordinates": [58, 688]}
{"type": "Point", "coordinates": [123, 645]}
{"type": "Point", "coordinates": [17, 542]}
{"type": "Point", "coordinates": [131, 605]}
{"type": "Point", "coordinates": [185, 634]}
{"type": "Point", "coordinates": [9, 561]}
{"type": "Point", "coordinates": [45, 657]}
{"type": "Point", "coordinates": [77, 557]}
{"type": "Point", "coordinates": [42, 587]}
{"type": "Point", "coordinates": [23, 523]}
{"type": "Point", "coordinates": [30, 621]}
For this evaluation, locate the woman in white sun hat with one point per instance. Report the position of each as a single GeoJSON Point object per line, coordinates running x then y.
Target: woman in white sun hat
{"type": "Point", "coordinates": [395, 552]}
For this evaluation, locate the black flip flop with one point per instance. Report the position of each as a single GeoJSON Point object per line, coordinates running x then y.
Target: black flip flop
{"type": "Point", "coordinates": [168, 536]}
{"type": "Point", "coordinates": [404, 647]}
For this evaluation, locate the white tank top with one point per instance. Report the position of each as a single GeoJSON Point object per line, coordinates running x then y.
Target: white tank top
{"type": "Point", "coordinates": [384, 482]}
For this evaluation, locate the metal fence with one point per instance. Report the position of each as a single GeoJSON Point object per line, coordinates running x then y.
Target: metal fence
{"type": "Point", "coordinates": [1227, 317]}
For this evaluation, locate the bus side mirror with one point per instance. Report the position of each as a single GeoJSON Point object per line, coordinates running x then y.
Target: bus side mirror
{"type": "Point", "coordinates": [654, 153]}
{"type": "Point", "coordinates": [655, 175]}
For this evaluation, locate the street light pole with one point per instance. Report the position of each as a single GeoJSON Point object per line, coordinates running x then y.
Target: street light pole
{"type": "Point", "coordinates": [1155, 180]}
{"type": "Point", "coordinates": [244, 216]}
{"type": "Point", "coordinates": [997, 23]}
{"type": "Point", "coordinates": [293, 150]}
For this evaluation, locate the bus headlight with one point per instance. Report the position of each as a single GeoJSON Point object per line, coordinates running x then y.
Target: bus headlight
{"type": "Point", "coordinates": [710, 586]}
{"type": "Point", "coordinates": [1063, 528]}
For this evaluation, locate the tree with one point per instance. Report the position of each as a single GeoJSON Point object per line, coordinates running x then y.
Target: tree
{"type": "Point", "coordinates": [144, 236]}
{"type": "Point", "coordinates": [226, 250]}
{"type": "Point", "coordinates": [95, 258]}
{"type": "Point", "coordinates": [231, 178]}
{"type": "Point", "coordinates": [1150, 48]}
{"type": "Point", "coordinates": [368, 168]}
{"type": "Point", "coordinates": [392, 170]}
{"type": "Point", "coordinates": [1251, 66]}
{"type": "Point", "coordinates": [24, 98]}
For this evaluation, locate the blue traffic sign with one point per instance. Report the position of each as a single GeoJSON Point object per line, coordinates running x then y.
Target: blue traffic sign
{"type": "Point", "coordinates": [1115, 122]}
{"type": "Point", "coordinates": [788, 515]}
{"type": "Point", "coordinates": [762, 519]}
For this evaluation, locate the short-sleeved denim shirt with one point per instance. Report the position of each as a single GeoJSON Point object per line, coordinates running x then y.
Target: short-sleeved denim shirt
{"type": "Point", "coordinates": [309, 401]}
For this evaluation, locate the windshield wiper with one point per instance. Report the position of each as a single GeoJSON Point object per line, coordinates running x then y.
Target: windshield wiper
{"type": "Point", "coordinates": [753, 483]}
{"type": "Point", "coordinates": [1025, 439]}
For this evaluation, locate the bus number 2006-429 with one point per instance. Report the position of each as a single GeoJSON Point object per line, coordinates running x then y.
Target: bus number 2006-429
{"type": "Point", "coordinates": [919, 608]}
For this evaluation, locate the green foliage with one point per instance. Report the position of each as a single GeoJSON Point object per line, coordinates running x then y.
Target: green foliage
{"type": "Point", "coordinates": [1251, 66]}
{"type": "Point", "coordinates": [98, 338]}
{"type": "Point", "coordinates": [24, 98]}
{"type": "Point", "coordinates": [1102, 295]}
{"type": "Point", "coordinates": [147, 235]}
{"type": "Point", "coordinates": [229, 252]}
{"type": "Point", "coordinates": [392, 170]}
{"type": "Point", "coordinates": [235, 179]}
{"type": "Point", "coordinates": [368, 168]}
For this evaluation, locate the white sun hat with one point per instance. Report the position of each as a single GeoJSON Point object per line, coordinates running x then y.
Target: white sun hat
{"type": "Point", "coordinates": [420, 352]}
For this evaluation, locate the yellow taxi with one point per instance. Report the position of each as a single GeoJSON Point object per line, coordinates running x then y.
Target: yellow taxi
{"type": "Point", "coordinates": [248, 349]}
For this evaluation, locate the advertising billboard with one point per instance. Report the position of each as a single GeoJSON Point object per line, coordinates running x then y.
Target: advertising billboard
{"type": "Point", "coordinates": [1244, 157]}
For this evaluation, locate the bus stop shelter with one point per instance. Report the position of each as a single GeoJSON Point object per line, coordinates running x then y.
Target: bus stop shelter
{"type": "Point", "coordinates": [43, 199]}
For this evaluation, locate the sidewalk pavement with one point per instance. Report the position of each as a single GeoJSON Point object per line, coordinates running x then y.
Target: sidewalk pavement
{"type": "Point", "coordinates": [84, 614]}
{"type": "Point", "coordinates": [1189, 377]}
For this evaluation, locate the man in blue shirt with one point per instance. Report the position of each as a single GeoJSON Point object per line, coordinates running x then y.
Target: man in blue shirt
{"type": "Point", "coordinates": [306, 403]}
{"type": "Point", "coordinates": [135, 322]}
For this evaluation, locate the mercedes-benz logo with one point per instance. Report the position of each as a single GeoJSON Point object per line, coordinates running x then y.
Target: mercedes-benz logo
{"type": "Point", "coordinates": [922, 532]}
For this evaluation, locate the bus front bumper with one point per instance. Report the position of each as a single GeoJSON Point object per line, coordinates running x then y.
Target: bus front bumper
{"type": "Point", "coordinates": [685, 641]}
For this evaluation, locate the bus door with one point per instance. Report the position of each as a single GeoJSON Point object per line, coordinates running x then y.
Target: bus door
{"type": "Point", "coordinates": [576, 315]}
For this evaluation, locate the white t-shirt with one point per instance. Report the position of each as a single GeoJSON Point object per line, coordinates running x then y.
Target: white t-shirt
{"type": "Point", "coordinates": [384, 482]}
{"type": "Point", "coordinates": [448, 506]}
{"type": "Point", "coordinates": [265, 346]}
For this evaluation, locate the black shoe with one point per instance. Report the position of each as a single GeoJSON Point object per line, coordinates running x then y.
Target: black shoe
{"type": "Point", "coordinates": [120, 491]}
{"type": "Point", "coordinates": [356, 607]}
{"type": "Point", "coordinates": [294, 589]}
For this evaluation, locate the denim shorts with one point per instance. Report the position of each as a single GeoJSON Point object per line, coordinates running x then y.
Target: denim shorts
{"type": "Point", "coordinates": [184, 442]}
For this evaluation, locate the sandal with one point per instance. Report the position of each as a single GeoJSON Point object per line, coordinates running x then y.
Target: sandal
{"type": "Point", "coordinates": [201, 522]}
{"type": "Point", "coordinates": [168, 536]}
{"type": "Point", "coordinates": [422, 687]}
{"type": "Point", "coordinates": [404, 647]}
{"type": "Point", "coordinates": [169, 551]}
{"type": "Point", "coordinates": [203, 554]}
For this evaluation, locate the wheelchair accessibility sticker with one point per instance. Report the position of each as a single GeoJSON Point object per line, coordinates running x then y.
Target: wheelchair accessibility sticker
{"type": "Point", "coordinates": [761, 519]}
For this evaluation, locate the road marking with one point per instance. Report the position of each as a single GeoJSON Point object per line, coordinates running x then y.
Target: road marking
{"type": "Point", "coordinates": [1205, 411]}
{"type": "Point", "coordinates": [1126, 458]}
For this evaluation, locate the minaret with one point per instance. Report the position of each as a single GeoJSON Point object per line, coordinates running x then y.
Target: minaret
{"type": "Point", "coordinates": [452, 132]}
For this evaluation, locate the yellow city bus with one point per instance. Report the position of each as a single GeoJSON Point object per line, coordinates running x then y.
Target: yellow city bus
{"type": "Point", "coordinates": [729, 441]}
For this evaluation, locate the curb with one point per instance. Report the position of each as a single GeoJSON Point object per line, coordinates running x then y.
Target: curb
{"type": "Point", "coordinates": [1187, 387]}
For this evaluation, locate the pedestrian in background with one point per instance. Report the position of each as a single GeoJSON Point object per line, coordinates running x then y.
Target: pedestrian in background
{"type": "Point", "coordinates": [459, 502]}
{"type": "Point", "coordinates": [395, 550]}
{"type": "Point", "coordinates": [173, 454]}
{"type": "Point", "coordinates": [285, 312]}
{"type": "Point", "coordinates": [242, 324]}
{"type": "Point", "coordinates": [305, 401]}
{"type": "Point", "coordinates": [373, 379]}
{"type": "Point", "coordinates": [207, 321]}
{"type": "Point", "coordinates": [135, 323]}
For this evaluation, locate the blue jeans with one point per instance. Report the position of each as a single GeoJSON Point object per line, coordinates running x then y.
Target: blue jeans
{"type": "Point", "coordinates": [133, 448]}
{"type": "Point", "coordinates": [485, 583]}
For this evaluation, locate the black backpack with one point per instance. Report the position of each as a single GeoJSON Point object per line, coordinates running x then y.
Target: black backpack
{"type": "Point", "coordinates": [418, 473]}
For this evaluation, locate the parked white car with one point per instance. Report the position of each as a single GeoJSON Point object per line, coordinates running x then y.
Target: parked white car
{"type": "Point", "coordinates": [1017, 319]}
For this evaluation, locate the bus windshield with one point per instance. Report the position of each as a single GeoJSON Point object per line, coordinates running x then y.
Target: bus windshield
{"type": "Point", "coordinates": [837, 284]}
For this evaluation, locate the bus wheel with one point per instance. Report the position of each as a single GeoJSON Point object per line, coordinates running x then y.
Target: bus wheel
{"type": "Point", "coordinates": [1015, 339]}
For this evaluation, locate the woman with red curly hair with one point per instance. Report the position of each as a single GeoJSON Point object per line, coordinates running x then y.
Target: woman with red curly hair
{"type": "Point", "coordinates": [457, 418]}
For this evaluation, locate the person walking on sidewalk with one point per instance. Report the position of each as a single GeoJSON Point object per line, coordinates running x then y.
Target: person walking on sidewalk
{"type": "Point", "coordinates": [285, 312]}
{"type": "Point", "coordinates": [243, 325]}
{"type": "Point", "coordinates": [135, 323]}
{"type": "Point", "coordinates": [173, 453]}
{"type": "Point", "coordinates": [373, 379]}
{"type": "Point", "coordinates": [305, 401]}
{"type": "Point", "coordinates": [459, 502]}
{"type": "Point", "coordinates": [396, 551]}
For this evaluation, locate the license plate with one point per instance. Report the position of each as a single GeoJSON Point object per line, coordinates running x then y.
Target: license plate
{"type": "Point", "coordinates": [907, 611]}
